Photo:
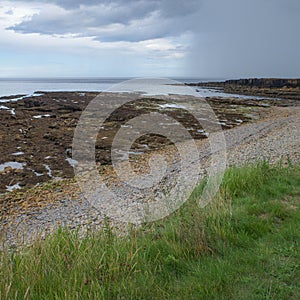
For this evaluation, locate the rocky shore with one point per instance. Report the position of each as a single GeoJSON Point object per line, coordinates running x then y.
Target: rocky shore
{"type": "Point", "coordinates": [288, 89]}
{"type": "Point", "coordinates": [37, 133]}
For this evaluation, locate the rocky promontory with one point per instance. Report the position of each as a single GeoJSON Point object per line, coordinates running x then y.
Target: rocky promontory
{"type": "Point", "coordinates": [279, 88]}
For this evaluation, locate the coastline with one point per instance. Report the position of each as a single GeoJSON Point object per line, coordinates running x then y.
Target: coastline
{"type": "Point", "coordinates": [37, 131]}
{"type": "Point", "coordinates": [277, 88]}
{"type": "Point", "coordinates": [272, 133]}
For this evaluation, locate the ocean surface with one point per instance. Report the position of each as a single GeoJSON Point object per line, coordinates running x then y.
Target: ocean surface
{"type": "Point", "coordinates": [26, 86]}
{"type": "Point", "coordinates": [16, 86]}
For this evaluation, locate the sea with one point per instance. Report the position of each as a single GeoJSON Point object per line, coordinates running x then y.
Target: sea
{"type": "Point", "coordinates": [29, 86]}
{"type": "Point", "coordinates": [18, 86]}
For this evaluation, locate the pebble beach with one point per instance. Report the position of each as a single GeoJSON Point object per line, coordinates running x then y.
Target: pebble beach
{"type": "Point", "coordinates": [40, 210]}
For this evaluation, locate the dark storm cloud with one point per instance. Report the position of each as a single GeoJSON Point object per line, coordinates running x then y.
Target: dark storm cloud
{"type": "Point", "coordinates": [232, 38]}
{"type": "Point", "coordinates": [240, 38]}
{"type": "Point", "coordinates": [113, 20]}
{"type": "Point", "coordinates": [176, 7]}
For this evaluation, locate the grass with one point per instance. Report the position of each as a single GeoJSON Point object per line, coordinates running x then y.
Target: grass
{"type": "Point", "coordinates": [243, 245]}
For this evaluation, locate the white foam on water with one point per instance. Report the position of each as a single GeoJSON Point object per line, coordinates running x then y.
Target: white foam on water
{"type": "Point", "coordinates": [20, 98]}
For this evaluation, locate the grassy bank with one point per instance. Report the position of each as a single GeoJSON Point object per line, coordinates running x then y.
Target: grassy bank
{"type": "Point", "coordinates": [243, 245]}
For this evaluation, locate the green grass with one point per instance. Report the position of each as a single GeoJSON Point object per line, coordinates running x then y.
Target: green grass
{"type": "Point", "coordinates": [243, 245]}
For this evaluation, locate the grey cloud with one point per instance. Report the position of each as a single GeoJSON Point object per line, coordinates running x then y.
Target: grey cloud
{"type": "Point", "coordinates": [232, 38]}
{"type": "Point", "coordinates": [85, 17]}
{"type": "Point", "coordinates": [82, 19]}
{"type": "Point", "coordinates": [9, 12]}
{"type": "Point", "coordinates": [174, 6]}
{"type": "Point", "coordinates": [178, 8]}
{"type": "Point", "coordinates": [73, 4]}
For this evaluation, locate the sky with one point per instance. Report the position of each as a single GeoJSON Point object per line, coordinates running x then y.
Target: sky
{"type": "Point", "coordinates": [165, 38]}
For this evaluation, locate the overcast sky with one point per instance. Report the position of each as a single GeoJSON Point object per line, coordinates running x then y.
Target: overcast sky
{"type": "Point", "coordinates": [170, 38]}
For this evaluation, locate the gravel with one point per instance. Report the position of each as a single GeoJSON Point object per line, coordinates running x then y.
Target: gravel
{"type": "Point", "coordinates": [274, 137]}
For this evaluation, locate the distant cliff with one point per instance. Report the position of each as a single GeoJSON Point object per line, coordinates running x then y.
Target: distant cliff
{"type": "Point", "coordinates": [263, 87]}
{"type": "Point", "coordinates": [254, 82]}
{"type": "Point", "coordinates": [265, 82]}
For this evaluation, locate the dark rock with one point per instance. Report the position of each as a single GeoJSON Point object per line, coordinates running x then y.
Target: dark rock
{"type": "Point", "coordinates": [287, 89]}
{"type": "Point", "coordinates": [265, 82]}
{"type": "Point", "coordinates": [32, 103]}
{"type": "Point", "coordinates": [12, 97]}
{"type": "Point", "coordinates": [48, 141]}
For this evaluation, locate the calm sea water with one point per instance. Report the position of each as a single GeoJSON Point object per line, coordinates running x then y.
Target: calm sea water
{"type": "Point", "coordinates": [26, 86]}
{"type": "Point", "coordinates": [29, 86]}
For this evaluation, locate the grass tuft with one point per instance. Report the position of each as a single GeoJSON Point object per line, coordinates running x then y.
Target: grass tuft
{"type": "Point", "coordinates": [243, 245]}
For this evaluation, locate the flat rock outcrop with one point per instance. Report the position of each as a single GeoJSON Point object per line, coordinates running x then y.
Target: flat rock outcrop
{"type": "Point", "coordinates": [36, 132]}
